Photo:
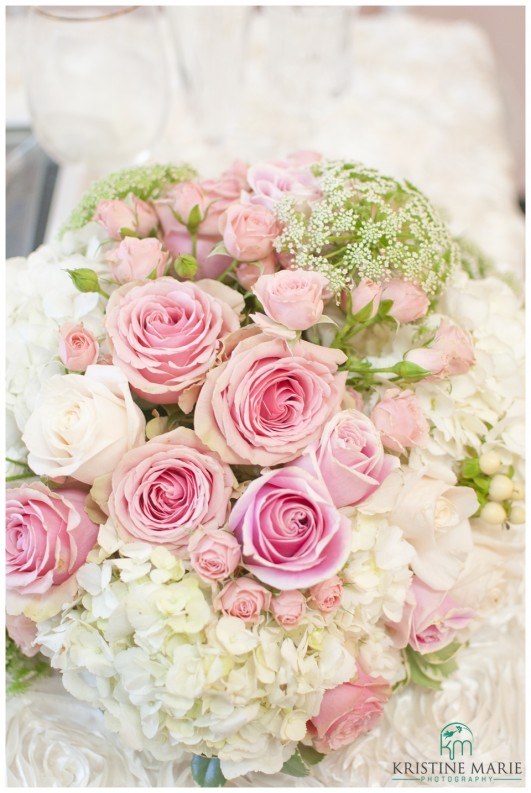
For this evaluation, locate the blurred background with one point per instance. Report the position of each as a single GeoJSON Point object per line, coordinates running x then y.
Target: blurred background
{"type": "Point", "coordinates": [431, 93]}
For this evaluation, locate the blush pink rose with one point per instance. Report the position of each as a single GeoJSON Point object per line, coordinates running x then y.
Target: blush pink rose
{"type": "Point", "coordinates": [243, 598]}
{"type": "Point", "coordinates": [400, 420]}
{"type": "Point", "coordinates": [451, 352]}
{"type": "Point", "coordinates": [348, 711]}
{"type": "Point", "coordinates": [48, 537]}
{"type": "Point", "coordinates": [326, 596]}
{"type": "Point", "coordinates": [135, 259]}
{"type": "Point", "coordinates": [166, 335]}
{"type": "Point", "coordinates": [78, 347]}
{"type": "Point", "coordinates": [248, 273]}
{"type": "Point", "coordinates": [164, 490]}
{"type": "Point", "coordinates": [214, 554]}
{"type": "Point", "coordinates": [179, 202]}
{"type": "Point", "coordinates": [269, 181]}
{"type": "Point", "coordinates": [365, 293]}
{"type": "Point", "coordinates": [23, 631]}
{"type": "Point", "coordinates": [410, 301]}
{"type": "Point", "coordinates": [293, 298]}
{"type": "Point", "coordinates": [291, 534]}
{"type": "Point", "coordinates": [430, 621]}
{"type": "Point", "coordinates": [209, 266]}
{"type": "Point", "coordinates": [288, 608]}
{"type": "Point", "coordinates": [248, 231]}
{"type": "Point", "coordinates": [269, 401]}
{"type": "Point", "coordinates": [132, 214]}
{"type": "Point", "coordinates": [350, 458]}
{"type": "Point", "coordinates": [222, 192]}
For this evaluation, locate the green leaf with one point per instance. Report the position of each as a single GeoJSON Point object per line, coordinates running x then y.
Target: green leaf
{"type": "Point", "coordinates": [364, 313]}
{"type": "Point", "coordinates": [206, 771]}
{"type": "Point", "coordinates": [482, 483]}
{"type": "Point", "coordinates": [444, 654]}
{"type": "Point", "coordinates": [385, 307]}
{"type": "Point", "coordinates": [125, 232]}
{"type": "Point", "coordinates": [310, 755]}
{"type": "Point", "coordinates": [470, 468]}
{"type": "Point", "coordinates": [295, 766]}
{"type": "Point", "coordinates": [219, 250]}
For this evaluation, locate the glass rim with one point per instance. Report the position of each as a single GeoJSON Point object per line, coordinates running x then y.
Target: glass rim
{"type": "Point", "coordinates": [61, 16]}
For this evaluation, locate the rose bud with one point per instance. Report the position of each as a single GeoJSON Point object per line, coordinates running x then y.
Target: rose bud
{"type": "Point", "coordinates": [78, 347]}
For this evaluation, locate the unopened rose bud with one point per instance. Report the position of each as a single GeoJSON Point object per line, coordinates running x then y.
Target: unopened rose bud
{"type": "Point", "coordinates": [186, 266]}
{"type": "Point", "coordinates": [78, 347]}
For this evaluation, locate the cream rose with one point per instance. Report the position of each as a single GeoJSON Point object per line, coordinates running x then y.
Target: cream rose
{"type": "Point", "coordinates": [83, 424]}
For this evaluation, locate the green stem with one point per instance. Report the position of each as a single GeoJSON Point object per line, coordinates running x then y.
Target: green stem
{"type": "Point", "coordinates": [20, 476]}
{"type": "Point", "coordinates": [229, 269]}
{"type": "Point", "coordinates": [103, 293]}
{"type": "Point", "coordinates": [194, 244]}
{"type": "Point", "coordinates": [16, 462]}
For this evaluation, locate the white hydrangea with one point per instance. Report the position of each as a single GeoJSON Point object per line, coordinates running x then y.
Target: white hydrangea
{"type": "Point", "coordinates": [145, 644]}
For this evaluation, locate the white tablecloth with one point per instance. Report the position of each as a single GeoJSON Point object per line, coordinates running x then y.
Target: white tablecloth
{"type": "Point", "coordinates": [422, 103]}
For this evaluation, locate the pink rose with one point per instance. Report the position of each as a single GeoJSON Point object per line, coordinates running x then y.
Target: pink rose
{"type": "Point", "coordinates": [400, 420]}
{"type": "Point", "coordinates": [48, 538]}
{"type": "Point", "coordinates": [133, 214]}
{"type": "Point", "coordinates": [23, 631]}
{"type": "Point", "coordinates": [134, 259]}
{"type": "Point", "coordinates": [268, 402]}
{"type": "Point", "coordinates": [166, 489]}
{"type": "Point", "coordinates": [178, 203]}
{"type": "Point", "coordinates": [365, 293]}
{"type": "Point", "coordinates": [248, 231]}
{"type": "Point", "coordinates": [293, 298]}
{"type": "Point", "coordinates": [270, 181]}
{"type": "Point", "coordinates": [430, 619]}
{"type": "Point", "coordinates": [78, 347]}
{"type": "Point", "coordinates": [326, 596]}
{"type": "Point", "coordinates": [209, 266]}
{"type": "Point", "coordinates": [451, 352]}
{"type": "Point", "coordinates": [243, 598]}
{"type": "Point", "coordinates": [220, 193]}
{"type": "Point", "coordinates": [214, 554]}
{"type": "Point", "coordinates": [288, 608]}
{"type": "Point", "coordinates": [410, 301]}
{"type": "Point", "coordinates": [291, 534]}
{"type": "Point", "coordinates": [166, 336]}
{"type": "Point", "coordinates": [350, 457]}
{"type": "Point", "coordinates": [348, 711]}
{"type": "Point", "coordinates": [248, 273]}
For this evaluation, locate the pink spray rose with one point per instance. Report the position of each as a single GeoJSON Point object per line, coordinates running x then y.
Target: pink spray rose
{"type": "Point", "coordinates": [248, 273]}
{"type": "Point", "coordinates": [220, 193]}
{"type": "Point", "coordinates": [243, 598]}
{"type": "Point", "coordinates": [78, 347]}
{"type": "Point", "coordinates": [410, 301]}
{"type": "Point", "coordinates": [271, 180]}
{"type": "Point", "coordinates": [350, 457]}
{"type": "Point", "coordinates": [180, 200]}
{"type": "Point", "coordinates": [214, 554]}
{"type": "Point", "coordinates": [48, 537]}
{"type": "Point", "coordinates": [291, 534]}
{"type": "Point", "coordinates": [326, 596]}
{"type": "Point", "coordinates": [179, 242]}
{"type": "Point", "coordinates": [293, 298]}
{"type": "Point", "coordinates": [348, 711]}
{"type": "Point", "coordinates": [169, 487]}
{"type": "Point", "coordinates": [248, 231]}
{"type": "Point", "coordinates": [132, 213]}
{"type": "Point", "coordinates": [430, 619]}
{"type": "Point", "coordinates": [288, 608]}
{"type": "Point", "coordinates": [451, 352]}
{"type": "Point", "coordinates": [166, 335]}
{"type": "Point", "coordinates": [134, 259]}
{"type": "Point", "coordinates": [365, 293]}
{"type": "Point", "coordinates": [400, 420]}
{"type": "Point", "coordinates": [268, 402]}
{"type": "Point", "coordinates": [23, 631]}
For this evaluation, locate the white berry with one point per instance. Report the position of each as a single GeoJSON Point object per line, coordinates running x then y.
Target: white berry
{"type": "Point", "coordinates": [500, 488]}
{"type": "Point", "coordinates": [493, 513]}
{"type": "Point", "coordinates": [518, 491]}
{"type": "Point", "coordinates": [489, 463]}
{"type": "Point", "coordinates": [517, 515]}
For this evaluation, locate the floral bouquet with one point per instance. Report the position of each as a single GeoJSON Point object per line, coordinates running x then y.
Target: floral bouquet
{"type": "Point", "coordinates": [255, 424]}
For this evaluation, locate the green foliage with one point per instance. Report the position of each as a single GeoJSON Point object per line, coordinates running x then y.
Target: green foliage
{"type": "Point", "coordinates": [295, 766]}
{"type": "Point", "coordinates": [310, 755]}
{"type": "Point", "coordinates": [473, 260]}
{"type": "Point", "coordinates": [206, 771]}
{"type": "Point", "coordinates": [22, 671]}
{"type": "Point", "coordinates": [145, 181]}
{"type": "Point", "coordinates": [470, 475]}
{"type": "Point", "coordinates": [431, 669]}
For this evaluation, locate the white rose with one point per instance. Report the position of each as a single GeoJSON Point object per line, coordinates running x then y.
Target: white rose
{"type": "Point", "coordinates": [83, 424]}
